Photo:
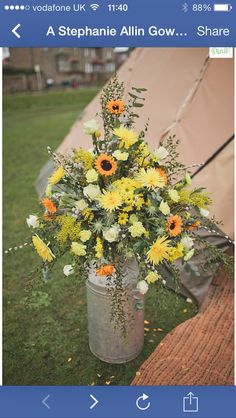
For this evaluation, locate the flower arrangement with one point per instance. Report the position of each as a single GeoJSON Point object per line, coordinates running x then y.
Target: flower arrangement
{"type": "Point", "coordinates": [120, 200]}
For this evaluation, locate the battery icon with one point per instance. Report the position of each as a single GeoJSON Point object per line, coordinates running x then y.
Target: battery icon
{"type": "Point", "coordinates": [222, 7]}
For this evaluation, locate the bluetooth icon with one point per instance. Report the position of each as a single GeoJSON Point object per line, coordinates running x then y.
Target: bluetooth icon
{"type": "Point", "coordinates": [185, 7]}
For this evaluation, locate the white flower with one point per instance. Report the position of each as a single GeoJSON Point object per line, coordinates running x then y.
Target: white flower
{"type": "Point", "coordinates": [92, 191]}
{"type": "Point", "coordinates": [121, 156]}
{"type": "Point", "coordinates": [189, 255]}
{"type": "Point", "coordinates": [68, 270]}
{"type": "Point", "coordinates": [174, 195]}
{"type": "Point", "coordinates": [164, 208]}
{"type": "Point", "coordinates": [85, 235]}
{"type": "Point", "coordinates": [142, 287]}
{"type": "Point", "coordinates": [161, 153]}
{"type": "Point", "coordinates": [112, 234]}
{"type": "Point", "coordinates": [81, 205]}
{"type": "Point", "coordinates": [189, 300]}
{"type": "Point", "coordinates": [91, 176]}
{"type": "Point", "coordinates": [33, 221]}
{"type": "Point", "coordinates": [133, 218]}
{"type": "Point", "coordinates": [91, 127]}
{"type": "Point", "coordinates": [187, 243]}
{"type": "Point", "coordinates": [137, 229]}
{"type": "Point", "coordinates": [204, 212]}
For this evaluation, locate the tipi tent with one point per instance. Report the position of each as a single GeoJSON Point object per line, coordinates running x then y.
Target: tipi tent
{"type": "Point", "coordinates": [188, 95]}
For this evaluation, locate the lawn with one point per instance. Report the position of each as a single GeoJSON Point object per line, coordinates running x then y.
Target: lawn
{"type": "Point", "coordinates": [45, 325]}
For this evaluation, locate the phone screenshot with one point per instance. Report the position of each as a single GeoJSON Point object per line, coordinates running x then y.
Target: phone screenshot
{"type": "Point", "coordinates": [117, 127]}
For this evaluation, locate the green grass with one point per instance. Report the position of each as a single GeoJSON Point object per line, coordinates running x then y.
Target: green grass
{"type": "Point", "coordinates": [45, 325]}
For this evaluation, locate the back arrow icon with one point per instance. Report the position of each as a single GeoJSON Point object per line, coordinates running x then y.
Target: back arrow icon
{"type": "Point", "coordinates": [44, 401]}
{"type": "Point", "coordinates": [15, 29]}
{"type": "Point", "coordinates": [95, 402]}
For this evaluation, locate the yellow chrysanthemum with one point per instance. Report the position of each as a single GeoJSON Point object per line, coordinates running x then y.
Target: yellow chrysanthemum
{"type": "Point", "coordinates": [85, 157]}
{"type": "Point", "coordinates": [98, 248]}
{"type": "Point", "coordinates": [123, 218]}
{"type": "Point", "coordinates": [126, 136]}
{"type": "Point", "coordinates": [110, 200]}
{"type": "Point", "coordinates": [128, 208]}
{"type": "Point", "coordinates": [159, 250]}
{"type": "Point", "coordinates": [56, 176]}
{"type": "Point", "coordinates": [139, 202]}
{"type": "Point", "coordinates": [42, 249]}
{"type": "Point", "coordinates": [125, 187]}
{"type": "Point", "coordinates": [150, 178]}
{"type": "Point", "coordinates": [152, 277]}
{"type": "Point", "coordinates": [176, 252]}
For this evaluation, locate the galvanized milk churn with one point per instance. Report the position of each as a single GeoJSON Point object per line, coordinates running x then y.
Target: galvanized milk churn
{"type": "Point", "coordinates": [105, 340]}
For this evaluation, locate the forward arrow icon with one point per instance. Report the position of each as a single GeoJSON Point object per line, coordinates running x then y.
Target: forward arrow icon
{"type": "Point", "coordinates": [95, 402]}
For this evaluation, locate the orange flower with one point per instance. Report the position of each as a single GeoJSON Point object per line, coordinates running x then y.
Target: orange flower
{"type": "Point", "coordinates": [105, 270]}
{"type": "Point", "coordinates": [162, 174]}
{"type": "Point", "coordinates": [174, 225]}
{"type": "Point", "coordinates": [115, 106]}
{"type": "Point", "coordinates": [194, 225]}
{"type": "Point", "coordinates": [106, 165]}
{"type": "Point", "coordinates": [49, 217]}
{"type": "Point", "coordinates": [49, 205]}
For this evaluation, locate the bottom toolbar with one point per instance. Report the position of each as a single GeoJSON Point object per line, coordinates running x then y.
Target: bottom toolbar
{"type": "Point", "coordinates": [117, 402]}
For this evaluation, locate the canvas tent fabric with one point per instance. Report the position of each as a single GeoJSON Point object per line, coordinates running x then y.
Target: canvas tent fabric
{"type": "Point", "coordinates": [188, 95]}
{"type": "Point", "coordinates": [191, 96]}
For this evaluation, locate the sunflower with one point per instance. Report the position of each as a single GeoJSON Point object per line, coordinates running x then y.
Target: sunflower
{"type": "Point", "coordinates": [115, 106]}
{"type": "Point", "coordinates": [162, 174]}
{"type": "Point", "coordinates": [106, 165]}
{"type": "Point", "coordinates": [150, 178]}
{"type": "Point", "coordinates": [110, 200]}
{"type": "Point", "coordinates": [42, 249]}
{"type": "Point", "coordinates": [159, 250]}
{"type": "Point", "coordinates": [174, 225]}
{"type": "Point", "coordinates": [49, 205]}
{"type": "Point", "coordinates": [49, 217]}
{"type": "Point", "coordinates": [105, 270]}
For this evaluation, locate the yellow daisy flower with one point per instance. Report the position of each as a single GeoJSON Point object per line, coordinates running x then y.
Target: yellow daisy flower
{"type": "Point", "coordinates": [123, 218]}
{"type": "Point", "coordinates": [159, 250]}
{"type": "Point", "coordinates": [56, 176]}
{"type": "Point", "coordinates": [42, 249]}
{"type": "Point", "coordinates": [126, 136]}
{"type": "Point", "coordinates": [150, 178]}
{"type": "Point", "coordinates": [110, 200]}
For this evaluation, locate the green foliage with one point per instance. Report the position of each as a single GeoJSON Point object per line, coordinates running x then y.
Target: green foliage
{"type": "Point", "coordinates": [37, 300]}
{"type": "Point", "coordinates": [48, 345]}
